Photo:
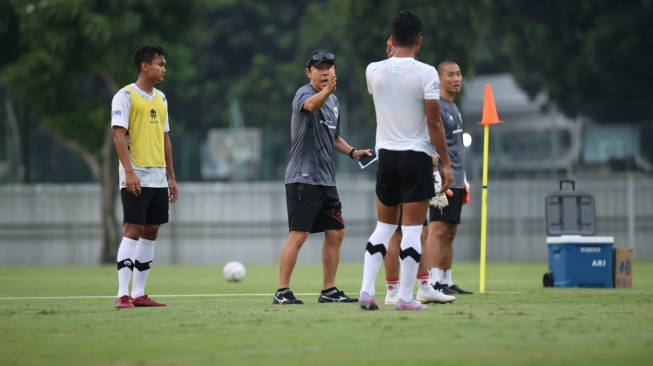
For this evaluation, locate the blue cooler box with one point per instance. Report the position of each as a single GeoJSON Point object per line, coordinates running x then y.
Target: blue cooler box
{"type": "Point", "coordinates": [580, 261]}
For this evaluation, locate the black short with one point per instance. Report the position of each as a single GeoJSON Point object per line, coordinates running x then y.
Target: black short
{"type": "Point", "coordinates": [313, 208]}
{"type": "Point", "coordinates": [451, 213]}
{"type": "Point", "coordinates": [404, 176]}
{"type": "Point", "coordinates": [150, 208]}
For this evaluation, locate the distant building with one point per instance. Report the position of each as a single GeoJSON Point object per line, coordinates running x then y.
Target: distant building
{"type": "Point", "coordinates": [536, 140]}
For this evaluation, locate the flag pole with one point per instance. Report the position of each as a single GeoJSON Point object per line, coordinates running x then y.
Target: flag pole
{"type": "Point", "coordinates": [490, 117]}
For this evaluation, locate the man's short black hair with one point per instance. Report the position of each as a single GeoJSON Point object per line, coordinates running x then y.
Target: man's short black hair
{"type": "Point", "coordinates": [406, 27]}
{"type": "Point", "coordinates": [444, 63]}
{"type": "Point", "coordinates": [147, 53]}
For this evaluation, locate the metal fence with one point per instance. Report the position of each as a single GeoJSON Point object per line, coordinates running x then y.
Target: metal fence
{"type": "Point", "coordinates": [216, 222]}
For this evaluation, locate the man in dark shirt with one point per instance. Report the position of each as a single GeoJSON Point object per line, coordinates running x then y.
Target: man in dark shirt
{"type": "Point", "coordinates": [444, 222]}
{"type": "Point", "coordinates": [311, 195]}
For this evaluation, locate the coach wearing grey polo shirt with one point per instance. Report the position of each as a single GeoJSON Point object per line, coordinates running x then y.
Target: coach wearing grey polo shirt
{"type": "Point", "coordinates": [311, 195]}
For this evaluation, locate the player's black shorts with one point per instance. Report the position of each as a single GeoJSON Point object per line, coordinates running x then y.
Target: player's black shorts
{"type": "Point", "coordinates": [404, 176]}
{"type": "Point", "coordinates": [150, 208]}
{"type": "Point", "coordinates": [450, 213]}
{"type": "Point", "coordinates": [313, 208]}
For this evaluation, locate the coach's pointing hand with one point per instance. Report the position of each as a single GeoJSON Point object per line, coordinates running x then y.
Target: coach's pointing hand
{"type": "Point", "coordinates": [333, 80]}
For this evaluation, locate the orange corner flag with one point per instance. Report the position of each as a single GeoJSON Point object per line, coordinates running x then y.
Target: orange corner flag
{"type": "Point", "coordinates": [490, 116]}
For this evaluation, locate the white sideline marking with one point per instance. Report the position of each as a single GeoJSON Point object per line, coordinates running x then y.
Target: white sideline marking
{"type": "Point", "coordinates": [188, 295]}
{"type": "Point", "coordinates": [230, 295]}
{"type": "Point", "coordinates": [113, 297]}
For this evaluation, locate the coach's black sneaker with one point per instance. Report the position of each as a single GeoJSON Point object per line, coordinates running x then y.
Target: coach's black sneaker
{"type": "Point", "coordinates": [444, 289]}
{"type": "Point", "coordinates": [285, 297]}
{"type": "Point", "coordinates": [334, 295]}
{"type": "Point", "coordinates": [459, 290]}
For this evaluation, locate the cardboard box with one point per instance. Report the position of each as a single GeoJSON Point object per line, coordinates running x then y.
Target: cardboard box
{"type": "Point", "coordinates": [622, 271]}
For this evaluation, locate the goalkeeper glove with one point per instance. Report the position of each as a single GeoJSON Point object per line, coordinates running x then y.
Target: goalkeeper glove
{"type": "Point", "coordinates": [440, 199]}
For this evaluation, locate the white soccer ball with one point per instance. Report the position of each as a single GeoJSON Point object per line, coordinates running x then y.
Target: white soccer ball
{"type": "Point", "coordinates": [234, 271]}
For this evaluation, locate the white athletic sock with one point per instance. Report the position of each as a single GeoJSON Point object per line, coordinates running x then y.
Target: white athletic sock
{"type": "Point", "coordinates": [441, 275]}
{"type": "Point", "coordinates": [142, 263]}
{"type": "Point", "coordinates": [372, 262]}
{"type": "Point", "coordinates": [434, 275]}
{"type": "Point", "coordinates": [423, 282]}
{"type": "Point", "coordinates": [125, 261]}
{"type": "Point", "coordinates": [392, 286]}
{"type": "Point", "coordinates": [447, 277]}
{"type": "Point", "coordinates": [410, 246]}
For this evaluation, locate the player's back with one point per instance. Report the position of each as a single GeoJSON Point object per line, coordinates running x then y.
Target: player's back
{"type": "Point", "coordinates": [399, 87]}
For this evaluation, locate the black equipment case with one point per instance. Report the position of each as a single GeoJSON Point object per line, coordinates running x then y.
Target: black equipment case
{"type": "Point", "coordinates": [570, 212]}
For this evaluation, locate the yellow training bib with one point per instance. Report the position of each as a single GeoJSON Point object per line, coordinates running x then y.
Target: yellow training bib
{"type": "Point", "coordinates": [146, 121]}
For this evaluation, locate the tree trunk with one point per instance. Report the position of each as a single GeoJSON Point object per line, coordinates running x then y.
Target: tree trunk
{"type": "Point", "coordinates": [108, 180]}
{"type": "Point", "coordinates": [106, 174]}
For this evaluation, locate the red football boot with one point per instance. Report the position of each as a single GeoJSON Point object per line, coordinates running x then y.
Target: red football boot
{"type": "Point", "coordinates": [145, 302]}
{"type": "Point", "coordinates": [124, 302]}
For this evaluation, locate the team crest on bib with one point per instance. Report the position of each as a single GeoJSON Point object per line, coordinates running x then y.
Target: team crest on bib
{"type": "Point", "coordinates": [153, 116]}
{"type": "Point", "coordinates": [336, 112]}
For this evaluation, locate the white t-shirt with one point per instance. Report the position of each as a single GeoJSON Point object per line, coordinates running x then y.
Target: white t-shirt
{"type": "Point", "coordinates": [120, 108]}
{"type": "Point", "coordinates": [399, 86]}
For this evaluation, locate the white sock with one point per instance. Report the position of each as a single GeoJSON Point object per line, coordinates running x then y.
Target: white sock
{"type": "Point", "coordinates": [434, 275]}
{"type": "Point", "coordinates": [142, 262]}
{"type": "Point", "coordinates": [423, 282]}
{"type": "Point", "coordinates": [447, 277]}
{"type": "Point", "coordinates": [125, 261]}
{"type": "Point", "coordinates": [372, 262]}
{"type": "Point", "coordinates": [392, 286]}
{"type": "Point", "coordinates": [441, 276]}
{"type": "Point", "coordinates": [410, 246]}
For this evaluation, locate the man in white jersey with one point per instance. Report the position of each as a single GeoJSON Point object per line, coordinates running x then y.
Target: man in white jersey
{"type": "Point", "coordinates": [444, 222]}
{"type": "Point", "coordinates": [139, 118]}
{"type": "Point", "coordinates": [405, 93]}
{"type": "Point", "coordinates": [426, 293]}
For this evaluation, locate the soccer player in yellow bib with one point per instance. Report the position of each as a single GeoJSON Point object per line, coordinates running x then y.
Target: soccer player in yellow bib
{"type": "Point", "coordinates": [139, 118]}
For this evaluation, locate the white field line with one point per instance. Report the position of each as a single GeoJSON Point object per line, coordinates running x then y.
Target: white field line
{"type": "Point", "coordinates": [172, 295]}
{"type": "Point", "coordinates": [113, 297]}
{"type": "Point", "coordinates": [232, 295]}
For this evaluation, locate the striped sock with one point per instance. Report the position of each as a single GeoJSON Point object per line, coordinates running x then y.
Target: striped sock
{"type": "Point", "coordinates": [125, 263]}
{"type": "Point", "coordinates": [375, 250]}
{"type": "Point", "coordinates": [142, 262]}
{"type": "Point", "coordinates": [410, 255]}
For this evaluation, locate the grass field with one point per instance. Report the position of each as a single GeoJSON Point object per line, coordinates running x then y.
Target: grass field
{"type": "Point", "coordinates": [65, 316]}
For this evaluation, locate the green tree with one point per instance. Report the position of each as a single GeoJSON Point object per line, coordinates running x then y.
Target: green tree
{"type": "Point", "coordinates": [451, 31]}
{"type": "Point", "coordinates": [261, 64]}
{"type": "Point", "coordinates": [248, 52]}
{"type": "Point", "coordinates": [70, 57]}
{"type": "Point", "coordinates": [589, 56]}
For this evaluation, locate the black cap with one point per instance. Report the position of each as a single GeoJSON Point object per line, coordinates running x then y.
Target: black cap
{"type": "Point", "coordinates": [317, 57]}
